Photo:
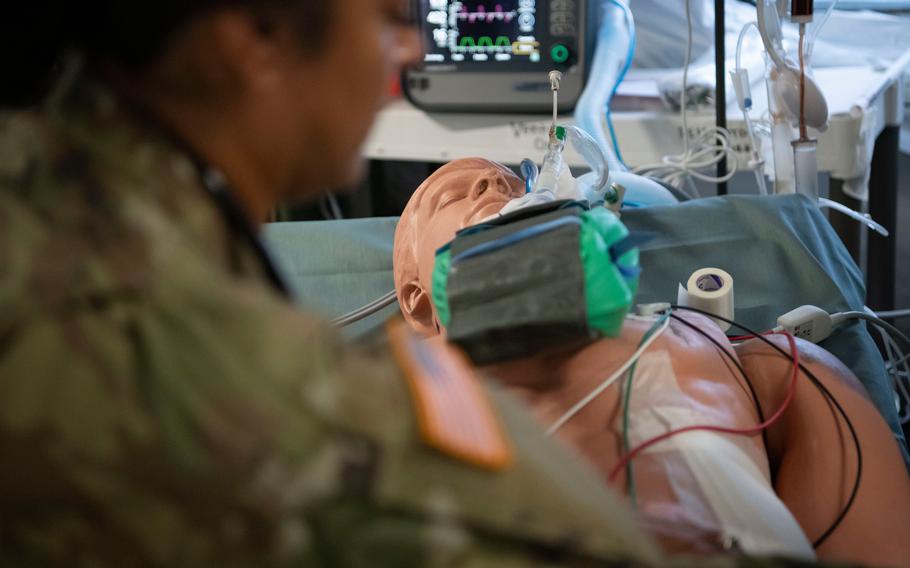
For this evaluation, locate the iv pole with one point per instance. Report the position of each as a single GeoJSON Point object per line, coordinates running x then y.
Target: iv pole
{"type": "Point", "coordinates": [720, 89]}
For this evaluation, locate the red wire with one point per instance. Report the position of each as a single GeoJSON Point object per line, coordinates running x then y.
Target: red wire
{"type": "Point", "coordinates": [746, 337]}
{"type": "Point", "coordinates": [736, 431]}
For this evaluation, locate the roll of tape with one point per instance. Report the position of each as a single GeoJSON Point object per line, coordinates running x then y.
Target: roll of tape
{"type": "Point", "coordinates": [710, 290]}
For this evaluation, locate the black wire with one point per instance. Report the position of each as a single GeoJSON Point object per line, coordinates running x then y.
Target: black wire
{"type": "Point", "coordinates": [824, 390]}
{"type": "Point", "coordinates": [742, 371]}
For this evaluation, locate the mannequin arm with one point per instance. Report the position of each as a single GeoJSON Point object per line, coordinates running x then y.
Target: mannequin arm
{"type": "Point", "coordinates": [814, 461]}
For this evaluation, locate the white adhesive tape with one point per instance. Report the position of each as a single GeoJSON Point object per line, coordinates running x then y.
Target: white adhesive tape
{"type": "Point", "coordinates": [710, 290]}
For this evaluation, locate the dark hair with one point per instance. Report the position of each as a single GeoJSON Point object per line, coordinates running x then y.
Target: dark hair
{"type": "Point", "coordinates": [35, 33]}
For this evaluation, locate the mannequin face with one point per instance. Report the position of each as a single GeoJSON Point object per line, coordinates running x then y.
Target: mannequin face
{"type": "Point", "coordinates": [458, 195]}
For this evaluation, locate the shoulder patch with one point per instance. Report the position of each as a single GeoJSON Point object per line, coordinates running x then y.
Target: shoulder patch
{"type": "Point", "coordinates": [454, 414]}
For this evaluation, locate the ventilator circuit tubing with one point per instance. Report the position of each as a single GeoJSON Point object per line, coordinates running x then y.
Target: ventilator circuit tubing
{"type": "Point", "coordinates": [612, 59]}
{"type": "Point", "coordinates": [595, 155]}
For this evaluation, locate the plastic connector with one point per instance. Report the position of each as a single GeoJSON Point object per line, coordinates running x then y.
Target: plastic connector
{"type": "Point", "coordinates": [807, 322]}
{"type": "Point", "coordinates": [648, 310]}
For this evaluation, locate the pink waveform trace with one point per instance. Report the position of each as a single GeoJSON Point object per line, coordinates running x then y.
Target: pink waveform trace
{"type": "Point", "coordinates": [481, 14]}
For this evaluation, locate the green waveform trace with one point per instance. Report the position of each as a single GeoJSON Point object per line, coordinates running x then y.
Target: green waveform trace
{"type": "Point", "coordinates": [485, 41]}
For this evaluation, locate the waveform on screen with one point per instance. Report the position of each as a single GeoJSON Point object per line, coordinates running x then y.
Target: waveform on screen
{"type": "Point", "coordinates": [485, 41]}
{"type": "Point", "coordinates": [481, 14]}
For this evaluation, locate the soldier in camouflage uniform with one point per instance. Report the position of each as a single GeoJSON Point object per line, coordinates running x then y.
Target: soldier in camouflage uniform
{"type": "Point", "coordinates": [162, 405]}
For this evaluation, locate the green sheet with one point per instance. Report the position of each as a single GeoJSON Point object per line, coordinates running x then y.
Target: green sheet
{"type": "Point", "coordinates": [781, 252]}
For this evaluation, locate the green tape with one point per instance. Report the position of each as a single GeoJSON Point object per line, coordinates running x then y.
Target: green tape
{"type": "Point", "coordinates": [608, 294]}
{"type": "Point", "coordinates": [440, 287]}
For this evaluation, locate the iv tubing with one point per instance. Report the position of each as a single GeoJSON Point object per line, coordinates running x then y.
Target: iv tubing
{"type": "Point", "coordinates": [746, 105]}
{"type": "Point", "coordinates": [803, 129]}
{"type": "Point", "coordinates": [710, 146]}
{"type": "Point", "coordinates": [770, 48]}
{"type": "Point", "coordinates": [816, 30]}
{"type": "Point", "coordinates": [685, 81]}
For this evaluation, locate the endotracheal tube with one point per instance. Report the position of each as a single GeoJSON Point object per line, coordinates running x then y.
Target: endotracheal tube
{"type": "Point", "coordinates": [555, 177]}
{"type": "Point", "coordinates": [553, 163]}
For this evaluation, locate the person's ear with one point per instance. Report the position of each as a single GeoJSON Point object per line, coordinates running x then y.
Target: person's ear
{"type": "Point", "coordinates": [256, 48]}
{"type": "Point", "coordinates": [417, 308]}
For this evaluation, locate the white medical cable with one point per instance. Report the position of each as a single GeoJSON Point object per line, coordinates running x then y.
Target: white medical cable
{"type": "Point", "coordinates": [329, 208]}
{"type": "Point", "coordinates": [366, 311]}
{"type": "Point", "coordinates": [894, 314]}
{"type": "Point", "coordinates": [708, 149]}
{"type": "Point", "coordinates": [837, 319]}
{"type": "Point", "coordinates": [902, 358]}
{"type": "Point", "coordinates": [814, 324]}
{"type": "Point", "coordinates": [334, 206]}
{"type": "Point", "coordinates": [863, 218]}
{"type": "Point", "coordinates": [609, 382]}
{"type": "Point", "coordinates": [897, 361]}
{"type": "Point", "coordinates": [899, 368]}
{"type": "Point", "coordinates": [890, 367]}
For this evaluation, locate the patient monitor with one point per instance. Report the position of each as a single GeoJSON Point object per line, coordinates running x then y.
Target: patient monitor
{"type": "Point", "coordinates": [493, 55]}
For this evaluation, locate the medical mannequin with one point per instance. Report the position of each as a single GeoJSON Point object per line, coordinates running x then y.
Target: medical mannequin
{"type": "Point", "coordinates": [683, 378]}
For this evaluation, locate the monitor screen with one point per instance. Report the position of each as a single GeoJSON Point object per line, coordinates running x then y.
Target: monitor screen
{"type": "Point", "coordinates": [498, 35]}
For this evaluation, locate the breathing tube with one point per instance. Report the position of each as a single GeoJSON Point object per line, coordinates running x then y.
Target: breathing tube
{"type": "Point", "coordinates": [614, 52]}
{"type": "Point", "coordinates": [612, 60]}
{"type": "Point", "coordinates": [554, 177]}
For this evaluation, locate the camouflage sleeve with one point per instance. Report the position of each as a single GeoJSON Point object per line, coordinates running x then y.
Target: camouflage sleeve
{"type": "Point", "coordinates": [217, 427]}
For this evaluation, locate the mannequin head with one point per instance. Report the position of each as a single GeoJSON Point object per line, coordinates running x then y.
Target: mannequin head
{"type": "Point", "coordinates": [458, 195]}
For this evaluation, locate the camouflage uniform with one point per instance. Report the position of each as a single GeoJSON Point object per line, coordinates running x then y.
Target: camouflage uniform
{"type": "Point", "coordinates": [161, 405]}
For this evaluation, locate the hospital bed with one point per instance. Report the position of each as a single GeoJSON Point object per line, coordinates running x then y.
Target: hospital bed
{"type": "Point", "coordinates": [781, 252]}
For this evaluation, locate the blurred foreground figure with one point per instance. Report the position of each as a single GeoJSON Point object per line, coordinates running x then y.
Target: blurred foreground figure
{"type": "Point", "coordinates": [162, 403]}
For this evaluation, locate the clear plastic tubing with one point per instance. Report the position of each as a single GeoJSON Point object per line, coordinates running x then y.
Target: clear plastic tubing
{"type": "Point", "coordinates": [805, 160]}
{"type": "Point", "coordinates": [614, 38]}
{"type": "Point", "coordinates": [781, 138]}
{"type": "Point", "coordinates": [594, 154]}
{"type": "Point", "coordinates": [553, 163]}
